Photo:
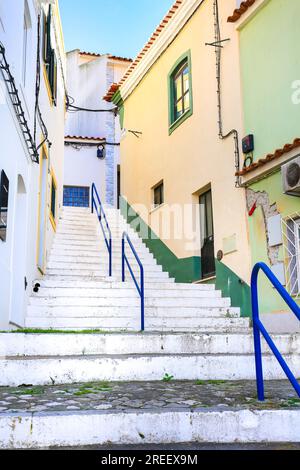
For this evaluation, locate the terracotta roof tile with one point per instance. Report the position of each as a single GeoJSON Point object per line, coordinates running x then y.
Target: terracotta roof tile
{"type": "Point", "coordinates": [80, 137]}
{"type": "Point", "coordinates": [122, 59]}
{"type": "Point", "coordinates": [238, 12]}
{"type": "Point", "coordinates": [110, 93]}
{"type": "Point", "coordinates": [110, 56]}
{"type": "Point", "coordinates": [270, 157]}
{"type": "Point", "coordinates": [153, 38]}
{"type": "Point", "coordinates": [92, 54]}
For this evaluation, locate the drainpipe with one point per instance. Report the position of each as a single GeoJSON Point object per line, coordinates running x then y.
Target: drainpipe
{"type": "Point", "coordinates": [233, 132]}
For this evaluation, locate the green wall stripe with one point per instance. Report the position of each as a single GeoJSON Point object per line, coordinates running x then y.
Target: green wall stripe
{"type": "Point", "coordinates": [189, 269]}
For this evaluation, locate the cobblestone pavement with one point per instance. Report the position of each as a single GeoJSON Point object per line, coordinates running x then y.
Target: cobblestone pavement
{"type": "Point", "coordinates": [146, 396]}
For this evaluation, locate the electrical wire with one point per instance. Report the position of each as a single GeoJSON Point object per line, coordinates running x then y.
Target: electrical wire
{"type": "Point", "coordinates": [38, 114]}
{"type": "Point", "coordinates": [233, 132]}
{"type": "Point", "coordinates": [17, 105]}
{"type": "Point", "coordinates": [72, 108]}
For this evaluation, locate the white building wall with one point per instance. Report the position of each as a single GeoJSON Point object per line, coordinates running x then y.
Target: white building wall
{"type": "Point", "coordinates": [84, 168]}
{"type": "Point", "coordinates": [18, 255]}
{"type": "Point", "coordinates": [89, 78]}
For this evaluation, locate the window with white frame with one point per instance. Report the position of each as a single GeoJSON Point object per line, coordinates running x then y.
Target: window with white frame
{"type": "Point", "coordinates": [291, 232]}
{"type": "Point", "coordinates": [26, 41]}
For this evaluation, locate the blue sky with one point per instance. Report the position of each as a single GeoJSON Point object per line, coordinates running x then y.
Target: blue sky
{"type": "Point", "coordinates": [120, 27]}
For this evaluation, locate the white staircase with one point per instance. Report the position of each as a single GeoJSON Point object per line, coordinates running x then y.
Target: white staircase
{"type": "Point", "coordinates": [77, 294]}
{"type": "Point", "coordinates": [191, 331]}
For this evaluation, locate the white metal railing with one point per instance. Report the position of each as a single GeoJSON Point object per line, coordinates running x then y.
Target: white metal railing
{"type": "Point", "coordinates": [291, 244]}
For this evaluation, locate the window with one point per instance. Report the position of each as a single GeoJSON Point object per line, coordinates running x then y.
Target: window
{"type": "Point", "coordinates": [50, 59]}
{"type": "Point", "coordinates": [158, 195]}
{"type": "Point", "coordinates": [75, 196]}
{"type": "Point", "coordinates": [4, 192]}
{"type": "Point", "coordinates": [26, 35]}
{"type": "Point", "coordinates": [180, 92]}
{"type": "Point", "coordinates": [291, 241]}
{"type": "Point", "coordinates": [53, 200]}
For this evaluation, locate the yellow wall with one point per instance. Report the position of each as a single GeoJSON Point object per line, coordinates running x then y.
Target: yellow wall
{"type": "Point", "coordinates": [192, 156]}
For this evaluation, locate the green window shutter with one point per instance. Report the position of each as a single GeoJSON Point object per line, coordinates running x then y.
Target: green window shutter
{"type": "Point", "coordinates": [180, 91]}
{"type": "Point", "coordinates": [53, 199]}
{"type": "Point", "coordinates": [53, 75]}
{"type": "Point", "coordinates": [47, 36]}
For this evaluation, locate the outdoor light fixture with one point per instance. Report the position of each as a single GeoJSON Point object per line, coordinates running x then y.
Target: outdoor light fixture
{"type": "Point", "coordinates": [101, 152]}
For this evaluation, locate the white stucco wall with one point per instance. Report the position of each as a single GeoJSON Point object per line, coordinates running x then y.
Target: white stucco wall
{"type": "Point", "coordinates": [89, 78]}
{"type": "Point", "coordinates": [18, 255]}
{"type": "Point", "coordinates": [83, 167]}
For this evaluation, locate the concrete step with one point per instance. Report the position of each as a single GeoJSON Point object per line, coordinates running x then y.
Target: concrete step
{"type": "Point", "coordinates": [95, 257]}
{"type": "Point", "coordinates": [88, 279]}
{"type": "Point", "coordinates": [53, 282]}
{"type": "Point", "coordinates": [63, 238]}
{"type": "Point", "coordinates": [125, 293]}
{"type": "Point", "coordinates": [175, 306]}
{"type": "Point", "coordinates": [95, 266]}
{"type": "Point", "coordinates": [123, 430]}
{"type": "Point", "coordinates": [63, 318]}
{"type": "Point", "coordinates": [99, 248]}
{"type": "Point", "coordinates": [49, 344]}
{"type": "Point", "coordinates": [97, 244]}
{"type": "Point", "coordinates": [139, 367]}
{"type": "Point", "coordinates": [94, 230]}
{"type": "Point", "coordinates": [102, 272]}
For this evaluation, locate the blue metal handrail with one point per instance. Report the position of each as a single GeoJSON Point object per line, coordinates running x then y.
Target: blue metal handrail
{"type": "Point", "coordinates": [259, 328]}
{"type": "Point", "coordinates": [101, 215]}
{"type": "Point", "coordinates": [141, 288]}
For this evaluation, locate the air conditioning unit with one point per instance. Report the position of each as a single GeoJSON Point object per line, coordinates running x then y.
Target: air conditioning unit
{"type": "Point", "coordinates": [291, 177]}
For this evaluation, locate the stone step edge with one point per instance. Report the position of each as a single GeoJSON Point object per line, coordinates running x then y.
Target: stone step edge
{"type": "Point", "coordinates": [79, 428]}
{"type": "Point", "coordinates": [86, 357]}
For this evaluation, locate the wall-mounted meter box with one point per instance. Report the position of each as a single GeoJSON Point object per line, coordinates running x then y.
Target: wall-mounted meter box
{"type": "Point", "coordinates": [248, 144]}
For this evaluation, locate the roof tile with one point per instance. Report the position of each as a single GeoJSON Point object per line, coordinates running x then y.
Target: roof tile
{"type": "Point", "coordinates": [152, 39]}
{"type": "Point", "coordinates": [238, 12]}
{"type": "Point", "coordinates": [270, 157]}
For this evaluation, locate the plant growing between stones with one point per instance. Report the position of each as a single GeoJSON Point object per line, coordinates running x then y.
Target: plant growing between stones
{"type": "Point", "coordinates": [167, 378]}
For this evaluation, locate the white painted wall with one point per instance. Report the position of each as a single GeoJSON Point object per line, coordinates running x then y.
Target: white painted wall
{"type": "Point", "coordinates": [18, 254]}
{"type": "Point", "coordinates": [88, 80]}
{"type": "Point", "coordinates": [84, 168]}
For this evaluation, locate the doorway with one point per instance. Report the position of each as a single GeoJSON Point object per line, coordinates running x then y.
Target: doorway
{"type": "Point", "coordinates": [208, 265]}
{"type": "Point", "coordinates": [42, 210]}
{"type": "Point", "coordinates": [19, 256]}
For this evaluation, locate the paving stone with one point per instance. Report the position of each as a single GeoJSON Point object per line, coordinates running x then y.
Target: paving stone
{"type": "Point", "coordinates": [39, 408]}
{"type": "Point", "coordinates": [149, 395]}
{"type": "Point", "coordinates": [104, 406]}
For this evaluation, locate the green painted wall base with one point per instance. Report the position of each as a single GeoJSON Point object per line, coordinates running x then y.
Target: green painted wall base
{"type": "Point", "coordinates": [234, 287]}
{"type": "Point", "coordinates": [189, 269]}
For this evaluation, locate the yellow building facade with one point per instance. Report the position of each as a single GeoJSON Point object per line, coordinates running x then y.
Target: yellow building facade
{"type": "Point", "coordinates": [178, 182]}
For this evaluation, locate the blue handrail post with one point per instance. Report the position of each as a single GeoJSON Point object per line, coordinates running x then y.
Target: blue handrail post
{"type": "Point", "coordinates": [110, 257]}
{"type": "Point", "coordinates": [141, 288]}
{"type": "Point", "coordinates": [257, 339]}
{"type": "Point", "coordinates": [260, 329]}
{"type": "Point", "coordinates": [142, 300]}
{"type": "Point", "coordinates": [123, 258]}
{"type": "Point", "coordinates": [101, 214]}
{"type": "Point", "coordinates": [92, 202]}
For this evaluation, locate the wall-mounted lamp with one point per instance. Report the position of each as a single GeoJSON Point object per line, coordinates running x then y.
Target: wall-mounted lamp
{"type": "Point", "coordinates": [101, 152]}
